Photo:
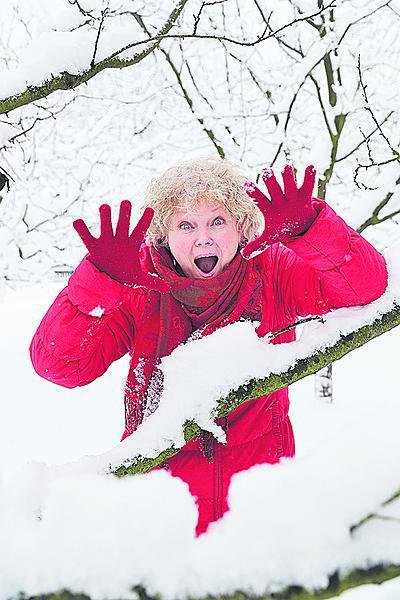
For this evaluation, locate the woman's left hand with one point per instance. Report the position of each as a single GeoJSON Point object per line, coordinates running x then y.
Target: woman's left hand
{"type": "Point", "coordinates": [287, 214]}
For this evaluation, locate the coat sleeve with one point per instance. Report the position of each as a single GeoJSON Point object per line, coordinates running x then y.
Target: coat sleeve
{"type": "Point", "coordinates": [89, 325]}
{"type": "Point", "coordinates": [329, 266]}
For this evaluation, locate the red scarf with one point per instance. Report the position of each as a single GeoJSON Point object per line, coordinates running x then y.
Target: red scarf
{"type": "Point", "coordinates": [169, 320]}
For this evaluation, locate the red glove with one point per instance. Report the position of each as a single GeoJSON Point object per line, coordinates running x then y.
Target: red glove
{"type": "Point", "coordinates": [118, 255]}
{"type": "Point", "coordinates": [287, 214]}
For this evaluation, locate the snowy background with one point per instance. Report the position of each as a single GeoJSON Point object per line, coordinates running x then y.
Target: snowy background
{"type": "Point", "coordinates": [68, 153]}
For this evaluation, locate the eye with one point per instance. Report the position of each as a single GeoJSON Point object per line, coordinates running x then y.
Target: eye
{"type": "Point", "coordinates": [219, 221]}
{"type": "Point", "coordinates": [184, 226]}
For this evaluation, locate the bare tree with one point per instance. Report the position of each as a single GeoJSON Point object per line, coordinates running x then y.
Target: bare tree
{"type": "Point", "coordinates": [235, 79]}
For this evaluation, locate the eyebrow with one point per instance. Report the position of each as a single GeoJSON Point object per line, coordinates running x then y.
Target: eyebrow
{"type": "Point", "coordinates": [219, 208]}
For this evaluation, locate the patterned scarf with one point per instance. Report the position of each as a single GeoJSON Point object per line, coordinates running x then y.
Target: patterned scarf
{"type": "Point", "coordinates": [201, 305]}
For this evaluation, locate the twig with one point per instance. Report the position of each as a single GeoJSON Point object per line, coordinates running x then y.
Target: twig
{"type": "Point", "coordinates": [368, 108]}
{"type": "Point", "coordinates": [361, 18]}
{"type": "Point", "coordinates": [197, 17]}
{"type": "Point", "coordinates": [103, 16]}
{"type": "Point", "coordinates": [210, 134]}
{"type": "Point", "coordinates": [273, 334]}
{"type": "Point", "coordinates": [183, 36]}
{"type": "Point", "coordinates": [376, 515]}
{"type": "Point", "coordinates": [85, 13]}
{"type": "Point", "coordinates": [366, 138]}
{"type": "Point", "coordinates": [375, 219]}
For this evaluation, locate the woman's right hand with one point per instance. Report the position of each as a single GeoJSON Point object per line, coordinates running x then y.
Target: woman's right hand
{"type": "Point", "coordinates": [118, 254]}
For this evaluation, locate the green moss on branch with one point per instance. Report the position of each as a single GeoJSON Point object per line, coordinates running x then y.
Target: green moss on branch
{"type": "Point", "coordinates": [376, 574]}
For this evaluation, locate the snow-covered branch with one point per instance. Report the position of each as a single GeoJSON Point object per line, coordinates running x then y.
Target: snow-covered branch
{"type": "Point", "coordinates": [234, 377]}
{"type": "Point", "coordinates": [121, 56]}
{"type": "Point", "coordinates": [275, 381]}
{"type": "Point", "coordinates": [376, 574]}
{"type": "Point", "coordinates": [65, 80]}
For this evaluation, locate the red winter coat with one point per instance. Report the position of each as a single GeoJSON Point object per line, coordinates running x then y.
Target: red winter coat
{"type": "Point", "coordinates": [329, 266]}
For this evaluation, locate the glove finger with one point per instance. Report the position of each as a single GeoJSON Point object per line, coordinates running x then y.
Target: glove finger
{"type": "Point", "coordinates": [82, 230]}
{"type": "Point", "coordinates": [106, 230]}
{"type": "Point", "coordinates": [262, 201]}
{"type": "Point", "coordinates": [142, 226]}
{"type": "Point", "coordinates": [308, 184]}
{"type": "Point", "coordinates": [273, 187]}
{"type": "Point", "coordinates": [124, 219]}
{"type": "Point", "coordinates": [289, 182]}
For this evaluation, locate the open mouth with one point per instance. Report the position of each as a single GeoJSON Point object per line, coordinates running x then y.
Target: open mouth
{"type": "Point", "coordinates": [206, 263]}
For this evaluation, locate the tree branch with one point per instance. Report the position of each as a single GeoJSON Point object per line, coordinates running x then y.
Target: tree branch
{"type": "Point", "coordinates": [103, 16]}
{"type": "Point", "coordinates": [68, 81]}
{"type": "Point", "coordinates": [365, 139]}
{"type": "Point", "coordinates": [210, 134]}
{"type": "Point", "coordinates": [276, 381]}
{"type": "Point", "coordinates": [376, 574]}
{"type": "Point", "coordinates": [371, 112]}
{"type": "Point", "coordinates": [375, 219]}
{"type": "Point", "coordinates": [376, 515]}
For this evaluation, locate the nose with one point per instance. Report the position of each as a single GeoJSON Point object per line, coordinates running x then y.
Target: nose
{"type": "Point", "coordinates": [203, 242]}
{"type": "Point", "coordinates": [203, 239]}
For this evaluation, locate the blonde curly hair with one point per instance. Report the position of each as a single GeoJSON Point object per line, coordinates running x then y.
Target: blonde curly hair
{"type": "Point", "coordinates": [182, 186]}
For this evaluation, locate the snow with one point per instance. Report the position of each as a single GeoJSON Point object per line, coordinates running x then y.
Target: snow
{"type": "Point", "coordinates": [65, 522]}
{"type": "Point", "coordinates": [291, 521]}
{"type": "Point", "coordinates": [98, 311]}
{"type": "Point", "coordinates": [6, 132]}
{"type": "Point", "coordinates": [386, 591]}
{"type": "Point", "coordinates": [62, 17]}
{"type": "Point", "coordinates": [55, 51]}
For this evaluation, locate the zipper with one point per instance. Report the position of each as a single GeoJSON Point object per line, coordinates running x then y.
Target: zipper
{"type": "Point", "coordinates": [218, 488]}
{"type": "Point", "coordinates": [218, 450]}
{"type": "Point", "coordinates": [276, 410]}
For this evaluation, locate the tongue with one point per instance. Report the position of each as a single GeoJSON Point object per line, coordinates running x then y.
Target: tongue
{"type": "Point", "coordinates": [206, 263]}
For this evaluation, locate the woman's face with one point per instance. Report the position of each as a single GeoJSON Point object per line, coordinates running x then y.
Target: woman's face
{"type": "Point", "coordinates": [203, 241]}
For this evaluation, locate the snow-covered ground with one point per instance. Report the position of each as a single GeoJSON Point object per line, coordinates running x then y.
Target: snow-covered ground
{"type": "Point", "coordinates": [288, 523]}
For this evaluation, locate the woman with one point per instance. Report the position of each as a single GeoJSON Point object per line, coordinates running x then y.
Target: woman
{"type": "Point", "coordinates": [204, 265]}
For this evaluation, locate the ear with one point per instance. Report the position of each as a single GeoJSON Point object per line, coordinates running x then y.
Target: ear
{"type": "Point", "coordinates": [242, 238]}
{"type": "Point", "coordinates": [243, 241]}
